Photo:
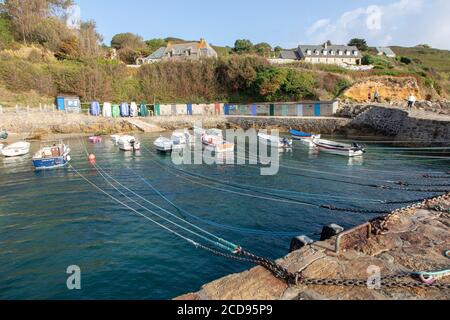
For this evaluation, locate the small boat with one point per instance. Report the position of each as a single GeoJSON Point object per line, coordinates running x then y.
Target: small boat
{"type": "Point", "coordinates": [3, 135]}
{"type": "Point", "coordinates": [182, 138]}
{"type": "Point", "coordinates": [115, 138]}
{"type": "Point", "coordinates": [163, 144]}
{"type": "Point", "coordinates": [214, 132]}
{"type": "Point", "coordinates": [274, 141]}
{"type": "Point", "coordinates": [16, 149]}
{"type": "Point", "coordinates": [199, 131]}
{"type": "Point", "coordinates": [305, 138]}
{"type": "Point", "coordinates": [129, 143]}
{"type": "Point", "coordinates": [95, 139]}
{"type": "Point", "coordinates": [217, 144]}
{"type": "Point", "coordinates": [342, 149]}
{"type": "Point", "coordinates": [56, 156]}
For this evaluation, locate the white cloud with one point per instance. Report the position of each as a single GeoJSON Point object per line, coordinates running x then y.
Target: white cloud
{"type": "Point", "coordinates": [402, 22]}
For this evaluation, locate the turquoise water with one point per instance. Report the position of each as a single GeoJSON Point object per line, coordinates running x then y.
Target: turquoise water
{"type": "Point", "coordinates": [51, 220]}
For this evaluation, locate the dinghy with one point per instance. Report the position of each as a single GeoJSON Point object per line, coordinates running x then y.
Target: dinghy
{"type": "Point", "coordinates": [217, 144]}
{"type": "Point", "coordinates": [95, 139]}
{"type": "Point", "coordinates": [182, 138]}
{"type": "Point", "coordinates": [115, 138]}
{"type": "Point", "coordinates": [129, 143]}
{"type": "Point", "coordinates": [3, 135]}
{"type": "Point", "coordinates": [163, 144]}
{"type": "Point", "coordinates": [274, 141]}
{"type": "Point", "coordinates": [342, 149]}
{"type": "Point", "coordinates": [52, 157]}
{"type": "Point", "coordinates": [305, 138]}
{"type": "Point", "coordinates": [16, 149]}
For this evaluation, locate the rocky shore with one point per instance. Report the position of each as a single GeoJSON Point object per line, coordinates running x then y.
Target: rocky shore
{"type": "Point", "coordinates": [414, 239]}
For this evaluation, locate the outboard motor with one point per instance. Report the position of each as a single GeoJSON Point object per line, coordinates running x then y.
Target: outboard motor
{"type": "Point", "coordinates": [132, 142]}
{"type": "Point", "coordinates": [359, 147]}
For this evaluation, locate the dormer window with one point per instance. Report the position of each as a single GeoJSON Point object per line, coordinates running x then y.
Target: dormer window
{"type": "Point", "coordinates": [340, 52]}
{"type": "Point", "coordinates": [325, 52]}
{"type": "Point", "coordinates": [317, 52]}
{"type": "Point", "coordinates": [348, 52]}
{"type": "Point", "coordinates": [308, 52]}
{"type": "Point", "coordinates": [355, 53]}
{"type": "Point", "coordinates": [332, 52]}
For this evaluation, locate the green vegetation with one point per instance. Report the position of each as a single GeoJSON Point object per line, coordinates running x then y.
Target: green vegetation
{"type": "Point", "coordinates": [39, 55]}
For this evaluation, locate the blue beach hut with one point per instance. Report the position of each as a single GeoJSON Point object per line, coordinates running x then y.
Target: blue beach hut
{"type": "Point", "coordinates": [94, 109]}
{"type": "Point", "coordinates": [124, 109]}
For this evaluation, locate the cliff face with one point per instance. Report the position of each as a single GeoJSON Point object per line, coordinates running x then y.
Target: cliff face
{"type": "Point", "coordinates": [390, 89]}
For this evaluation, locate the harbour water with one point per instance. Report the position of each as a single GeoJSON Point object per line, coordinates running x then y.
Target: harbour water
{"type": "Point", "coordinates": [54, 219]}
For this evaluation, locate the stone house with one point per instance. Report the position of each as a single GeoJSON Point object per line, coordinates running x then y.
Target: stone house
{"type": "Point", "coordinates": [181, 51]}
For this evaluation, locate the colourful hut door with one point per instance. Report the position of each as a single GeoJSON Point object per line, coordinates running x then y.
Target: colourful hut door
{"type": "Point", "coordinates": [174, 109]}
{"type": "Point", "coordinates": [284, 111]}
{"type": "Point", "coordinates": [226, 109]}
{"type": "Point", "coordinates": [272, 109]}
{"type": "Point", "coordinates": [254, 110]}
{"type": "Point", "coordinates": [217, 108]}
{"type": "Point", "coordinates": [157, 109]}
{"type": "Point", "coordinates": [300, 110]}
{"type": "Point", "coordinates": [317, 110]}
{"type": "Point", "coordinates": [60, 103]}
{"type": "Point", "coordinates": [189, 109]}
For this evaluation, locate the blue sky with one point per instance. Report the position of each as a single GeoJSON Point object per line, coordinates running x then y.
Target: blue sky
{"type": "Point", "coordinates": [286, 23]}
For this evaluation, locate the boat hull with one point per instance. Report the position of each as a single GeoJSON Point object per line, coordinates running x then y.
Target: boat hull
{"type": "Point", "coordinates": [337, 149]}
{"type": "Point", "coordinates": [16, 150]}
{"type": "Point", "coordinates": [50, 163]}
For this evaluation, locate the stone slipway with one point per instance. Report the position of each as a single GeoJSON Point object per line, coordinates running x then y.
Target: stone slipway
{"type": "Point", "coordinates": [415, 240]}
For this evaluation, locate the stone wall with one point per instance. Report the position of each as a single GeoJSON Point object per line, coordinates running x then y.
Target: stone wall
{"type": "Point", "coordinates": [314, 125]}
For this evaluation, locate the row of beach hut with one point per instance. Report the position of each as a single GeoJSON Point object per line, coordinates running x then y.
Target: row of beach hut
{"type": "Point", "coordinates": [125, 109]}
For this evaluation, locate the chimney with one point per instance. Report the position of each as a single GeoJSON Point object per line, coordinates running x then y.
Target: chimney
{"type": "Point", "coordinates": [325, 45]}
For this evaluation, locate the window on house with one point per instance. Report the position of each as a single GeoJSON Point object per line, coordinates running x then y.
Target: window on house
{"type": "Point", "coordinates": [308, 52]}
{"type": "Point", "coordinates": [332, 52]}
{"type": "Point", "coordinates": [340, 52]}
{"type": "Point", "coordinates": [355, 53]}
{"type": "Point", "coordinates": [325, 52]}
{"type": "Point", "coordinates": [348, 52]}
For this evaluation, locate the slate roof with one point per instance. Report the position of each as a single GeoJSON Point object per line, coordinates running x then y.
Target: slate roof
{"type": "Point", "coordinates": [158, 54]}
{"type": "Point", "coordinates": [303, 49]}
{"type": "Point", "coordinates": [289, 54]}
{"type": "Point", "coordinates": [386, 51]}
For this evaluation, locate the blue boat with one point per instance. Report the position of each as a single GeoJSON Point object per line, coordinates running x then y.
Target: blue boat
{"type": "Point", "coordinates": [300, 135]}
{"type": "Point", "coordinates": [53, 157]}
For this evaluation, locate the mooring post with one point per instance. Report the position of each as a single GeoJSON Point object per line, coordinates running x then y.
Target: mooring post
{"type": "Point", "coordinates": [330, 231]}
{"type": "Point", "coordinates": [299, 242]}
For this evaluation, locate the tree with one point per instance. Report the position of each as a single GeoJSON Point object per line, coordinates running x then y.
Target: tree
{"type": "Point", "coordinates": [243, 46]}
{"type": "Point", "coordinates": [127, 40]}
{"type": "Point", "coordinates": [26, 15]}
{"type": "Point", "coordinates": [155, 44]}
{"type": "Point", "coordinates": [89, 39]}
{"type": "Point", "coordinates": [361, 44]}
{"type": "Point", "coordinates": [263, 49]}
{"type": "Point", "coordinates": [68, 49]}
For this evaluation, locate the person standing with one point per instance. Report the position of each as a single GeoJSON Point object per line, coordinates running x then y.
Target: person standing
{"type": "Point", "coordinates": [369, 96]}
{"type": "Point", "coordinates": [411, 101]}
{"type": "Point", "coordinates": [377, 96]}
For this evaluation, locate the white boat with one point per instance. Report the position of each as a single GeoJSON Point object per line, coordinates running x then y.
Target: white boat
{"type": "Point", "coordinates": [115, 138]}
{"type": "Point", "coordinates": [163, 144]}
{"type": "Point", "coordinates": [129, 143]}
{"type": "Point", "coordinates": [199, 131]}
{"type": "Point", "coordinates": [214, 132]}
{"type": "Point", "coordinates": [217, 144]}
{"type": "Point", "coordinates": [52, 157]}
{"type": "Point", "coordinates": [274, 141]}
{"type": "Point", "coordinates": [342, 149]}
{"type": "Point", "coordinates": [16, 149]}
{"type": "Point", "coordinates": [305, 138]}
{"type": "Point", "coordinates": [182, 138]}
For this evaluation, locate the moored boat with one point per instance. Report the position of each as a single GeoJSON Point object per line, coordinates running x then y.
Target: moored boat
{"type": "Point", "coordinates": [163, 144]}
{"type": "Point", "coordinates": [52, 157]}
{"type": "Point", "coordinates": [342, 149]}
{"type": "Point", "coordinates": [275, 141]}
{"type": "Point", "coordinates": [182, 138]}
{"type": "Point", "coordinates": [16, 149]}
{"type": "Point", "coordinates": [305, 138]}
{"type": "Point", "coordinates": [129, 143]}
{"type": "Point", "coordinates": [115, 138]}
{"type": "Point", "coordinates": [95, 139]}
{"type": "Point", "coordinates": [217, 144]}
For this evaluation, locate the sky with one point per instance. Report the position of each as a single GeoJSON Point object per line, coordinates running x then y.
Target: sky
{"type": "Point", "coordinates": [286, 23]}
